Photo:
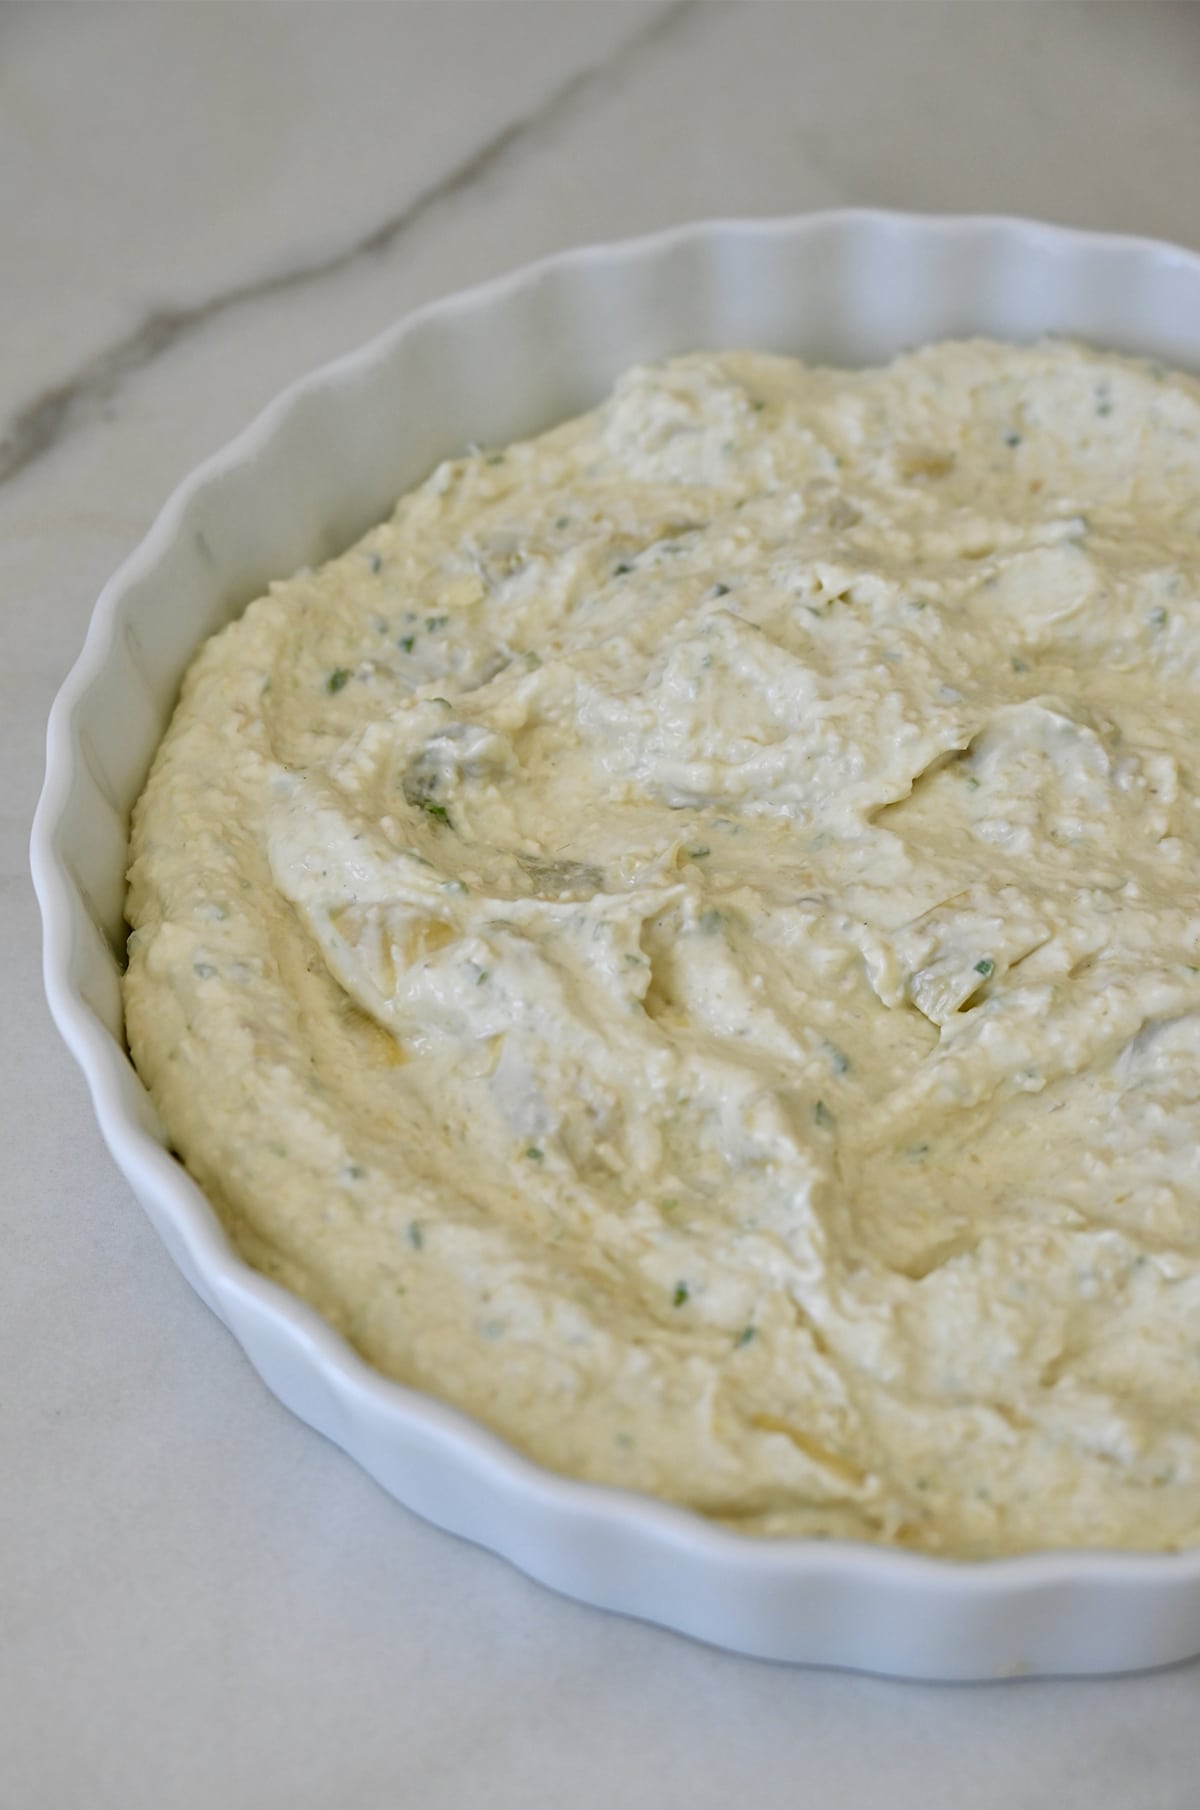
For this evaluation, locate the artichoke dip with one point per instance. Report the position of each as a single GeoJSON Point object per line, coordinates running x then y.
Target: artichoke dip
{"type": "Point", "coordinates": [685, 944]}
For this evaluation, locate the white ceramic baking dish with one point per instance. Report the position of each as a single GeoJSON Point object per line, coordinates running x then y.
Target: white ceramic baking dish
{"type": "Point", "coordinates": [322, 463]}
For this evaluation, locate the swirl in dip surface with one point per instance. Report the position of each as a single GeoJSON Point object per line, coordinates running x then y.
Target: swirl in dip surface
{"type": "Point", "coordinates": [685, 943]}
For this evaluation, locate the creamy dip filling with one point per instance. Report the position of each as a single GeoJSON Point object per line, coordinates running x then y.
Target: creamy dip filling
{"type": "Point", "coordinates": [685, 943]}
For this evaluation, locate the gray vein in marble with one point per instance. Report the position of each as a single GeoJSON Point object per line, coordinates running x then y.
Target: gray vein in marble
{"type": "Point", "coordinates": [48, 418]}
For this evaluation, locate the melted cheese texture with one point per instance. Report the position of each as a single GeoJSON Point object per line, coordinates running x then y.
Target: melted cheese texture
{"type": "Point", "coordinates": [685, 943]}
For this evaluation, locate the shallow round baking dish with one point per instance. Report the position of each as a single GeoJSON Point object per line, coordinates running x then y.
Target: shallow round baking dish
{"type": "Point", "coordinates": [320, 465]}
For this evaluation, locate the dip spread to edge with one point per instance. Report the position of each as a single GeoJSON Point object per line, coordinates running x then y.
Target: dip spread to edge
{"type": "Point", "coordinates": [684, 943]}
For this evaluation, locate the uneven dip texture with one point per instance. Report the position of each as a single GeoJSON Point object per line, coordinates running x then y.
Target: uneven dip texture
{"type": "Point", "coordinates": [685, 943]}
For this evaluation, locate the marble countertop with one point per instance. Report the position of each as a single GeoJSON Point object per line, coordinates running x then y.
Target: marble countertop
{"type": "Point", "coordinates": [202, 1603]}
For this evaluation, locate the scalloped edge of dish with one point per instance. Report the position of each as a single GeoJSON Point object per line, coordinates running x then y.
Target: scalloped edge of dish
{"type": "Point", "coordinates": [490, 363]}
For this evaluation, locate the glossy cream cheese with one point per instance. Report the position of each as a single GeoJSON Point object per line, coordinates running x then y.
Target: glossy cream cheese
{"type": "Point", "coordinates": [685, 943]}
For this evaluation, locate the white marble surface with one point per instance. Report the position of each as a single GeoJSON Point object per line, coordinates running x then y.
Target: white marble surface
{"type": "Point", "coordinates": [200, 1602]}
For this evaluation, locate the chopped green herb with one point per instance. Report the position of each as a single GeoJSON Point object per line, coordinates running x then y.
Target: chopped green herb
{"type": "Point", "coordinates": [495, 459]}
{"type": "Point", "coordinates": [433, 809]}
{"type": "Point", "coordinates": [758, 405]}
{"type": "Point", "coordinates": [699, 854]}
{"type": "Point", "coordinates": [670, 1204]}
{"type": "Point", "coordinates": [445, 702]}
{"type": "Point", "coordinates": [822, 1115]}
{"type": "Point", "coordinates": [1019, 665]}
{"type": "Point", "coordinates": [564, 521]}
{"type": "Point", "coordinates": [406, 643]}
{"type": "Point", "coordinates": [421, 783]}
{"type": "Point", "coordinates": [416, 1235]}
{"type": "Point", "coordinates": [680, 1295]}
{"type": "Point", "coordinates": [535, 1155]}
{"type": "Point", "coordinates": [839, 1059]}
{"type": "Point", "coordinates": [375, 561]}
{"type": "Point", "coordinates": [985, 967]}
{"type": "Point", "coordinates": [972, 783]}
{"type": "Point", "coordinates": [481, 977]}
{"type": "Point", "coordinates": [434, 623]}
{"type": "Point", "coordinates": [533, 660]}
{"type": "Point", "coordinates": [720, 590]}
{"type": "Point", "coordinates": [916, 603]}
{"type": "Point", "coordinates": [744, 1336]}
{"type": "Point", "coordinates": [621, 570]}
{"type": "Point", "coordinates": [338, 677]}
{"type": "Point", "coordinates": [1012, 438]}
{"type": "Point", "coordinates": [1158, 617]}
{"type": "Point", "coordinates": [710, 921]}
